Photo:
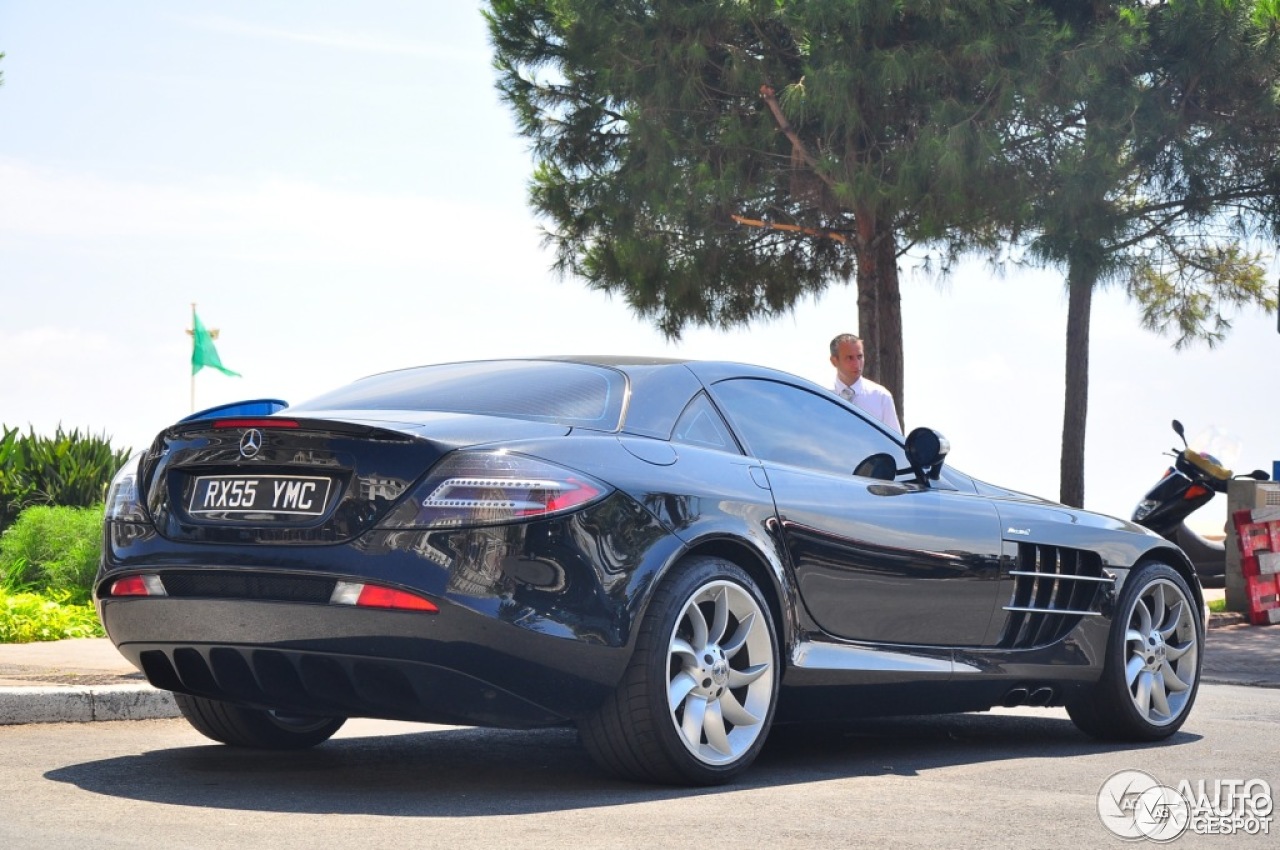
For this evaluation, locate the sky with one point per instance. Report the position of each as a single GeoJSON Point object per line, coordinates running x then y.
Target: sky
{"type": "Point", "coordinates": [342, 192]}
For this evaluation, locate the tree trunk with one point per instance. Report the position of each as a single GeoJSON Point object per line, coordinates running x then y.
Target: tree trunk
{"type": "Point", "coordinates": [1081, 276]}
{"type": "Point", "coordinates": [880, 302]}
{"type": "Point", "coordinates": [890, 360]}
{"type": "Point", "coordinates": [868, 262]}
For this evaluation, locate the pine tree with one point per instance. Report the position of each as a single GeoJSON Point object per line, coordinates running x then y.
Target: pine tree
{"type": "Point", "coordinates": [1154, 144]}
{"type": "Point", "coordinates": [715, 162]}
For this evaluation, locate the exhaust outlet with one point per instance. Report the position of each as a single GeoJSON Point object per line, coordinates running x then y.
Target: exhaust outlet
{"type": "Point", "coordinates": [1040, 697]}
{"type": "Point", "coordinates": [1015, 697]}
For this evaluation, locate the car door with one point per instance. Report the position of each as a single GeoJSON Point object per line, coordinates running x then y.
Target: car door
{"type": "Point", "coordinates": [886, 561]}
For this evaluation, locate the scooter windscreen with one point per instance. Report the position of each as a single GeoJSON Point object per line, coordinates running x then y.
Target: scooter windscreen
{"type": "Point", "coordinates": [1218, 451]}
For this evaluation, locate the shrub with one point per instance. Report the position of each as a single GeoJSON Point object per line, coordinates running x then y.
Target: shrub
{"type": "Point", "coordinates": [27, 617]}
{"type": "Point", "coordinates": [52, 549]}
{"type": "Point", "coordinates": [69, 469]}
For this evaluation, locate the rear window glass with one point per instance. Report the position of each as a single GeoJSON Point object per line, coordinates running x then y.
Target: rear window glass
{"type": "Point", "coordinates": [573, 394]}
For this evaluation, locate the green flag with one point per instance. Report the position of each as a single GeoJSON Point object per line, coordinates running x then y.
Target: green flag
{"type": "Point", "coordinates": [202, 351]}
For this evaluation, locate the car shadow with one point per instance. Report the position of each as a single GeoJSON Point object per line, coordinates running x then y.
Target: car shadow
{"type": "Point", "coordinates": [463, 772]}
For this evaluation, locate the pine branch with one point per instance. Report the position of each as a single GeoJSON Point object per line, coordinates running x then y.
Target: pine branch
{"type": "Point", "coordinates": [771, 100]}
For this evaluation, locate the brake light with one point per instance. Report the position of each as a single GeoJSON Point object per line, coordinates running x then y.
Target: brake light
{"type": "Point", "coordinates": [255, 423]}
{"type": "Point", "coordinates": [376, 596]}
{"type": "Point", "coordinates": [521, 497]}
{"type": "Point", "coordinates": [490, 488]}
{"type": "Point", "coordinates": [573, 493]}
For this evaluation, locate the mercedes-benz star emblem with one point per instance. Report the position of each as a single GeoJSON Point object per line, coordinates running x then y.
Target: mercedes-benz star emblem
{"type": "Point", "coordinates": [250, 443]}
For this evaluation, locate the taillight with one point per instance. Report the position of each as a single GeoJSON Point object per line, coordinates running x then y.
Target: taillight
{"type": "Point", "coordinates": [123, 504]}
{"type": "Point", "coordinates": [377, 596]}
{"type": "Point", "coordinates": [143, 584]}
{"type": "Point", "coordinates": [491, 488]}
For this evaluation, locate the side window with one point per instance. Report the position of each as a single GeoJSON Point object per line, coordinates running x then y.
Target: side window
{"type": "Point", "coordinates": [787, 424]}
{"type": "Point", "coordinates": [701, 425]}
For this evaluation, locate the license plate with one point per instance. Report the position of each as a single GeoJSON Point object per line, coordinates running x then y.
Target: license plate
{"type": "Point", "coordinates": [301, 495]}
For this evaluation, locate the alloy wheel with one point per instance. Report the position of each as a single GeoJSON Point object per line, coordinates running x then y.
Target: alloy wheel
{"type": "Point", "coordinates": [721, 672]}
{"type": "Point", "coordinates": [1162, 652]}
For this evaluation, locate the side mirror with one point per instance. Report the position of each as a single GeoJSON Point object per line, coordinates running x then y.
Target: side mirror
{"type": "Point", "coordinates": [926, 450]}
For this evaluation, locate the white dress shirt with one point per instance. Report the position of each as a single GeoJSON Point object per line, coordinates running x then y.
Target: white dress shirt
{"type": "Point", "coordinates": [873, 398]}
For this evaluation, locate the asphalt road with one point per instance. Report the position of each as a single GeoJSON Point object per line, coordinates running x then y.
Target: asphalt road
{"type": "Point", "coordinates": [1013, 778]}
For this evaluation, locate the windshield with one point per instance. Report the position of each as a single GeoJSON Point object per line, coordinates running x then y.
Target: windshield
{"type": "Point", "coordinates": [1218, 443]}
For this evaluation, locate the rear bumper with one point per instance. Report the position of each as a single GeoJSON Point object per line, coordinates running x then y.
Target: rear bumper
{"type": "Point", "coordinates": [534, 624]}
{"type": "Point", "coordinates": [453, 667]}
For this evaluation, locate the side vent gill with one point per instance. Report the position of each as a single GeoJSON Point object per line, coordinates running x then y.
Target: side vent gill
{"type": "Point", "coordinates": [1054, 589]}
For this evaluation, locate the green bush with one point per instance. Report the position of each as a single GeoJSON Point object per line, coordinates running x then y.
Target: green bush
{"type": "Point", "coordinates": [69, 469]}
{"type": "Point", "coordinates": [28, 617]}
{"type": "Point", "coordinates": [52, 549]}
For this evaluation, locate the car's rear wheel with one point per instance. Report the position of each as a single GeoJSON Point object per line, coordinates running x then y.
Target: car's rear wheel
{"type": "Point", "coordinates": [1152, 669]}
{"type": "Point", "coordinates": [696, 701]}
{"type": "Point", "coordinates": [255, 728]}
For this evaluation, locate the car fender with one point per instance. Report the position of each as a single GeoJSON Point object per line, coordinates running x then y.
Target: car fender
{"type": "Point", "coordinates": [1122, 545]}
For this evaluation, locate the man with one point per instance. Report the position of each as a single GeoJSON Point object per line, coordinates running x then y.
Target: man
{"type": "Point", "coordinates": [848, 358]}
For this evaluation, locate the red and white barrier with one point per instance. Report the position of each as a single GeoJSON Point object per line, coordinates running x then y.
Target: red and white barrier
{"type": "Point", "coordinates": [1258, 533]}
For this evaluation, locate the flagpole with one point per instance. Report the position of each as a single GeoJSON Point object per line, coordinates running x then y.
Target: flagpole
{"type": "Point", "coordinates": [193, 342]}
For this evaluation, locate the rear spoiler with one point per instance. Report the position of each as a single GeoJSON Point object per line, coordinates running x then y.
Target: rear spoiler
{"type": "Point", "coordinates": [250, 407]}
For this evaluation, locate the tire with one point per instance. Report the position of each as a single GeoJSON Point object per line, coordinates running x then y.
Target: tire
{"type": "Point", "coordinates": [696, 701]}
{"type": "Point", "coordinates": [1152, 669]}
{"type": "Point", "coordinates": [255, 728]}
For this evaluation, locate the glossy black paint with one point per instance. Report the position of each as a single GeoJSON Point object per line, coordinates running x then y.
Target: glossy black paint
{"type": "Point", "coordinates": [1172, 505]}
{"type": "Point", "coordinates": [879, 588]}
{"type": "Point", "coordinates": [896, 565]}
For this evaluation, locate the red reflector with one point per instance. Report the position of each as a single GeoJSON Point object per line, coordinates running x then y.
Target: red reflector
{"type": "Point", "coordinates": [255, 423]}
{"type": "Point", "coordinates": [1195, 491]}
{"type": "Point", "coordinates": [131, 586]}
{"type": "Point", "coordinates": [385, 597]}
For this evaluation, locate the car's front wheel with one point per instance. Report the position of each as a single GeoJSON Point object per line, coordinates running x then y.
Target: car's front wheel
{"type": "Point", "coordinates": [1152, 669]}
{"type": "Point", "coordinates": [255, 728]}
{"type": "Point", "coordinates": [696, 701]}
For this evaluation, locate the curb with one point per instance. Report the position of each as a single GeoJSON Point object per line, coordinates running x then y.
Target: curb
{"type": "Point", "coordinates": [53, 704]}
{"type": "Point", "coordinates": [1240, 681]}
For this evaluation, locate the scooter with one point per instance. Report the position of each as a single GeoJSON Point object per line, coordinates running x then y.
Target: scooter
{"type": "Point", "coordinates": [1188, 485]}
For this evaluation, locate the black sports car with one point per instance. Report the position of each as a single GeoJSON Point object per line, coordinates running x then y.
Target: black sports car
{"type": "Point", "coordinates": [671, 555]}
